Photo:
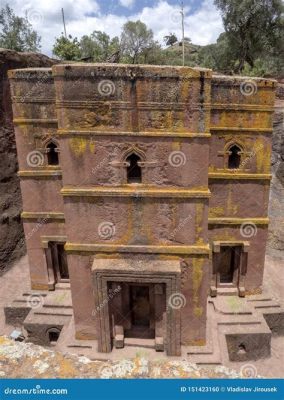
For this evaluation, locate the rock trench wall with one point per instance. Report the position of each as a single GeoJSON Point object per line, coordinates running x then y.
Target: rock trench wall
{"type": "Point", "coordinates": [12, 245]}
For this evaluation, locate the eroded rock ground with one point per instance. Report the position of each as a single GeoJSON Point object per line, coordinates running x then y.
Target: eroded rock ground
{"type": "Point", "coordinates": [25, 360]}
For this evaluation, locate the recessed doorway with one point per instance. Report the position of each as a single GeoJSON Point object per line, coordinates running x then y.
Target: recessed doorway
{"type": "Point", "coordinates": [140, 312]}
{"type": "Point", "coordinates": [228, 266]}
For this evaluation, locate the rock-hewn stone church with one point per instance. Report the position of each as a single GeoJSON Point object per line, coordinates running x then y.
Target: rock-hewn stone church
{"type": "Point", "coordinates": [145, 190]}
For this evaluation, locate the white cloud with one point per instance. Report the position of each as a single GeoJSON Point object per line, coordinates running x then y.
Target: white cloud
{"type": "Point", "coordinates": [84, 16]}
{"type": "Point", "coordinates": [127, 3]}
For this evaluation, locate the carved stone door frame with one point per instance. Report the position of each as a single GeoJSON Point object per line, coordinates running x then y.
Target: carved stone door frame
{"type": "Point", "coordinates": [101, 279]}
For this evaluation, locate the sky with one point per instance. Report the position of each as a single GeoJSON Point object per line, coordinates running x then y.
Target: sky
{"type": "Point", "coordinates": [203, 23]}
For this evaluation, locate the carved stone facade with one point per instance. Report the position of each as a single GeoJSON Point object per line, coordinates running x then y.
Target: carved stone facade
{"type": "Point", "coordinates": [147, 187]}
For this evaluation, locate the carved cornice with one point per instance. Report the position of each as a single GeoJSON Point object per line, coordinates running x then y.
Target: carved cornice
{"type": "Point", "coordinates": [72, 133]}
{"type": "Point", "coordinates": [238, 176]}
{"type": "Point", "coordinates": [34, 121]}
{"type": "Point", "coordinates": [37, 174]}
{"type": "Point", "coordinates": [238, 221]}
{"type": "Point", "coordinates": [43, 215]}
{"type": "Point", "coordinates": [114, 248]}
{"type": "Point", "coordinates": [135, 191]}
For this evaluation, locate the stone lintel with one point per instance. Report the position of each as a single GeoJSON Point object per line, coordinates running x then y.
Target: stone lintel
{"type": "Point", "coordinates": [34, 121]}
{"type": "Point", "coordinates": [242, 107]}
{"type": "Point", "coordinates": [121, 248]}
{"type": "Point", "coordinates": [218, 243]}
{"type": "Point", "coordinates": [72, 133]}
{"type": "Point", "coordinates": [238, 129]}
{"type": "Point", "coordinates": [135, 191]}
{"type": "Point", "coordinates": [238, 221]}
{"type": "Point", "coordinates": [40, 173]}
{"type": "Point", "coordinates": [45, 215]}
{"type": "Point", "coordinates": [46, 239]}
{"type": "Point", "coordinates": [238, 175]}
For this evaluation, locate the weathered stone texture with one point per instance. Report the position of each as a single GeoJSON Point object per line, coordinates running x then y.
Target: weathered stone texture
{"type": "Point", "coordinates": [181, 124]}
{"type": "Point", "coordinates": [11, 229]}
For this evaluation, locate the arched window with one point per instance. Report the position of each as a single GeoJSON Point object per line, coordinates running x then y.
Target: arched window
{"type": "Point", "coordinates": [234, 159]}
{"type": "Point", "coordinates": [52, 154]}
{"type": "Point", "coordinates": [134, 173]}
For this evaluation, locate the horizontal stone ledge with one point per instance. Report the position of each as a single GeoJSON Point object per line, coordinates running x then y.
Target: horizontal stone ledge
{"type": "Point", "coordinates": [238, 175]}
{"type": "Point", "coordinates": [127, 71]}
{"type": "Point", "coordinates": [74, 133]}
{"type": "Point", "coordinates": [118, 248]}
{"type": "Point", "coordinates": [236, 80]}
{"type": "Point", "coordinates": [43, 215]}
{"type": "Point", "coordinates": [40, 173]}
{"type": "Point", "coordinates": [134, 192]}
{"type": "Point", "coordinates": [127, 105]}
{"type": "Point", "coordinates": [28, 98]}
{"type": "Point", "coordinates": [34, 121]}
{"type": "Point", "coordinates": [242, 107]}
{"type": "Point", "coordinates": [240, 129]}
{"type": "Point", "coordinates": [52, 238]}
{"type": "Point", "coordinates": [237, 221]}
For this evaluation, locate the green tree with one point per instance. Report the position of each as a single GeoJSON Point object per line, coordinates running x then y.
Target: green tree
{"type": "Point", "coordinates": [99, 46]}
{"type": "Point", "coordinates": [170, 39]}
{"type": "Point", "coordinates": [16, 33]}
{"type": "Point", "coordinates": [135, 39]}
{"type": "Point", "coordinates": [253, 28]}
{"type": "Point", "coordinates": [218, 56]}
{"type": "Point", "coordinates": [67, 48]}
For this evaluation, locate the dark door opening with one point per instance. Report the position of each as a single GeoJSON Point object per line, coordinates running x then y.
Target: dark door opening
{"type": "Point", "coordinates": [134, 173]}
{"type": "Point", "coordinates": [228, 265]}
{"type": "Point", "coordinates": [139, 308]}
{"type": "Point", "coordinates": [59, 262]}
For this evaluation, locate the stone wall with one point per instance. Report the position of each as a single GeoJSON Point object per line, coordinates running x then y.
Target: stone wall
{"type": "Point", "coordinates": [12, 244]}
{"type": "Point", "coordinates": [276, 206]}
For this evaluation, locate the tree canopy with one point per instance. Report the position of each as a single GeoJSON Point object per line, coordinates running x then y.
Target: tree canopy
{"type": "Point", "coordinates": [135, 39]}
{"type": "Point", "coordinates": [252, 43]}
{"type": "Point", "coordinates": [16, 33]}
{"type": "Point", "coordinates": [254, 29]}
{"type": "Point", "coordinates": [67, 48]}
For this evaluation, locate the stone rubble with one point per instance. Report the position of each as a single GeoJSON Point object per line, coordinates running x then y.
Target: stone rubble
{"type": "Point", "coordinates": [26, 360]}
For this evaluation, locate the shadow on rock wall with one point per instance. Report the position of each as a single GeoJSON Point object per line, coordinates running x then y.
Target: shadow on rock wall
{"type": "Point", "coordinates": [12, 244]}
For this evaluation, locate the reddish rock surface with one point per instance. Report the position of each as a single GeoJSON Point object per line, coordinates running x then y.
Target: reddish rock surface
{"type": "Point", "coordinates": [12, 244]}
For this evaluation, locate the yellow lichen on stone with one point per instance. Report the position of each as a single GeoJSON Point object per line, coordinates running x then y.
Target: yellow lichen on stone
{"type": "Point", "coordinates": [232, 209]}
{"type": "Point", "coordinates": [92, 146]}
{"type": "Point", "coordinates": [197, 275]}
{"type": "Point", "coordinates": [216, 212]}
{"type": "Point", "coordinates": [78, 145]}
{"type": "Point", "coordinates": [66, 368]}
{"type": "Point", "coordinates": [199, 210]}
{"type": "Point", "coordinates": [4, 340]}
{"type": "Point", "coordinates": [197, 311]}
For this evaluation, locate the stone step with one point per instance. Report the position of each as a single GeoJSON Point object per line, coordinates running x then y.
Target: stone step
{"type": "Point", "coordinates": [57, 299]}
{"type": "Point", "coordinates": [227, 291]}
{"type": "Point", "coordinates": [240, 320]}
{"type": "Point", "coordinates": [62, 286]}
{"type": "Point", "coordinates": [231, 305]}
{"type": "Point", "coordinates": [266, 304]}
{"type": "Point", "coordinates": [46, 319]}
{"type": "Point", "coordinates": [59, 311]}
{"type": "Point", "coordinates": [138, 342]}
{"type": "Point", "coordinates": [258, 297]}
